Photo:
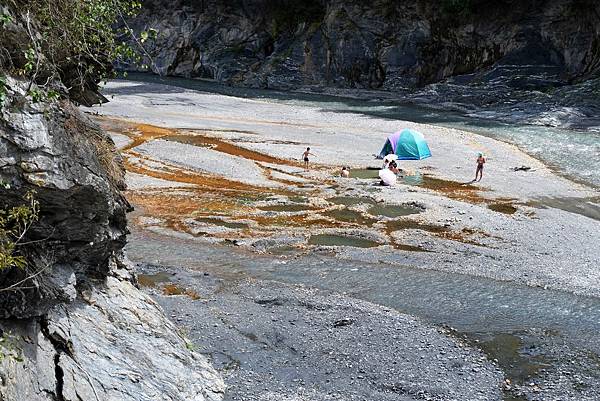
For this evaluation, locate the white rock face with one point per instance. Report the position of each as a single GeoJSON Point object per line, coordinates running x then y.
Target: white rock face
{"type": "Point", "coordinates": [114, 343]}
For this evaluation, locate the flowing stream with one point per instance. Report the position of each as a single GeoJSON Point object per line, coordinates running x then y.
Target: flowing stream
{"type": "Point", "coordinates": [531, 332]}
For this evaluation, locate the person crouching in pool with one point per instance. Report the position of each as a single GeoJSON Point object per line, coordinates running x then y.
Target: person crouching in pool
{"type": "Point", "coordinates": [305, 157]}
{"type": "Point", "coordinates": [345, 172]}
{"type": "Point", "coordinates": [480, 163]}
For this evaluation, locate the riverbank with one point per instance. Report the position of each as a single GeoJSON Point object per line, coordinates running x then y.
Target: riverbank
{"type": "Point", "coordinates": [225, 213]}
{"type": "Point", "coordinates": [230, 173]}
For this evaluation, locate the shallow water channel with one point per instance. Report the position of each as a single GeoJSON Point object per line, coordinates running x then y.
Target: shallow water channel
{"type": "Point", "coordinates": [516, 325]}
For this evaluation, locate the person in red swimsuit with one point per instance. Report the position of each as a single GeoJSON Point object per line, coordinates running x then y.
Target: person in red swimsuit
{"type": "Point", "coordinates": [480, 163]}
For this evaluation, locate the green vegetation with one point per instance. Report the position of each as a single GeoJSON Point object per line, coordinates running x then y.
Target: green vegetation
{"type": "Point", "coordinates": [74, 41]}
{"type": "Point", "coordinates": [2, 89]}
{"type": "Point", "coordinates": [14, 224]}
{"type": "Point", "coordinates": [5, 19]}
{"type": "Point", "coordinates": [9, 348]}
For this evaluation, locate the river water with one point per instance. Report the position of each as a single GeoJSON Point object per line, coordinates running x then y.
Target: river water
{"type": "Point", "coordinates": [530, 331]}
{"type": "Point", "coordinates": [574, 152]}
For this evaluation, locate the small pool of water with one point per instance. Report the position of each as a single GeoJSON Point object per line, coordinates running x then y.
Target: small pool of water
{"type": "Point", "coordinates": [351, 200]}
{"type": "Point", "coordinates": [153, 280]}
{"type": "Point", "coordinates": [163, 280]}
{"type": "Point", "coordinates": [287, 207]}
{"type": "Point", "coordinates": [364, 173]}
{"type": "Point", "coordinates": [514, 354]}
{"type": "Point", "coordinates": [222, 223]}
{"type": "Point", "coordinates": [341, 240]}
{"type": "Point", "coordinates": [350, 216]}
{"type": "Point", "coordinates": [392, 210]}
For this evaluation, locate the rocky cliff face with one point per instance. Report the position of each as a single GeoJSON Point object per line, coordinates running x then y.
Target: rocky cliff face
{"type": "Point", "coordinates": [74, 326]}
{"type": "Point", "coordinates": [72, 167]}
{"type": "Point", "coordinates": [380, 44]}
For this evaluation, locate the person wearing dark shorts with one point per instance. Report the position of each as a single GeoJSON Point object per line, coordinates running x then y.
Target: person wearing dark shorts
{"type": "Point", "coordinates": [305, 157]}
{"type": "Point", "coordinates": [480, 163]}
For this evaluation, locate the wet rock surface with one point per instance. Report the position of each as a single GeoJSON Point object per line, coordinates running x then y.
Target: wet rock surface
{"type": "Point", "coordinates": [273, 341]}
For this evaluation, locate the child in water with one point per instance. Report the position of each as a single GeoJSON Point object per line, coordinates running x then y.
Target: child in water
{"type": "Point", "coordinates": [480, 163]}
{"type": "Point", "coordinates": [305, 157]}
{"type": "Point", "coordinates": [345, 172]}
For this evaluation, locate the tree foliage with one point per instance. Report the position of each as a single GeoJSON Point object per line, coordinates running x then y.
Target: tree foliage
{"type": "Point", "coordinates": [71, 41]}
{"type": "Point", "coordinates": [14, 223]}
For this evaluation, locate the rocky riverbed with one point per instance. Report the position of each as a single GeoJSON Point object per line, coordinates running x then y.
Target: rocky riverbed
{"type": "Point", "coordinates": [235, 176]}
{"type": "Point", "coordinates": [221, 174]}
{"type": "Point", "coordinates": [274, 342]}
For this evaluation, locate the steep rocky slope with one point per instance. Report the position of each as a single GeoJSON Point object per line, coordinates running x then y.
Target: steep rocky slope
{"type": "Point", "coordinates": [381, 44]}
{"type": "Point", "coordinates": [74, 325]}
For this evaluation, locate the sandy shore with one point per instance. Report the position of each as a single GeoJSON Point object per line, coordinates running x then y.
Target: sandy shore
{"type": "Point", "coordinates": [507, 227]}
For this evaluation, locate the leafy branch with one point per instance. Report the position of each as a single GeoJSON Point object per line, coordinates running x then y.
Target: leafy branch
{"type": "Point", "coordinates": [15, 222]}
{"type": "Point", "coordinates": [74, 41]}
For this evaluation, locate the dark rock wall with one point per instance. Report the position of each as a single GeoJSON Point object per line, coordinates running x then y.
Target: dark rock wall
{"type": "Point", "coordinates": [74, 171]}
{"type": "Point", "coordinates": [371, 44]}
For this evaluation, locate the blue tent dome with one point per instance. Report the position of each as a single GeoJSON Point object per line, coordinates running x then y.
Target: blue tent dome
{"type": "Point", "coordinates": [407, 145]}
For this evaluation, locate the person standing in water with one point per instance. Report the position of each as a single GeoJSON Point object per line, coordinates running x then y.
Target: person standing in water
{"type": "Point", "coordinates": [305, 157]}
{"type": "Point", "coordinates": [480, 163]}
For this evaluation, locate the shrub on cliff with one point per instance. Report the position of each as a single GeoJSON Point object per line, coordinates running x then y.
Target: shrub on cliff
{"type": "Point", "coordinates": [68, 42]}
{"type": "Point", "coordinates": [14, 223]}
